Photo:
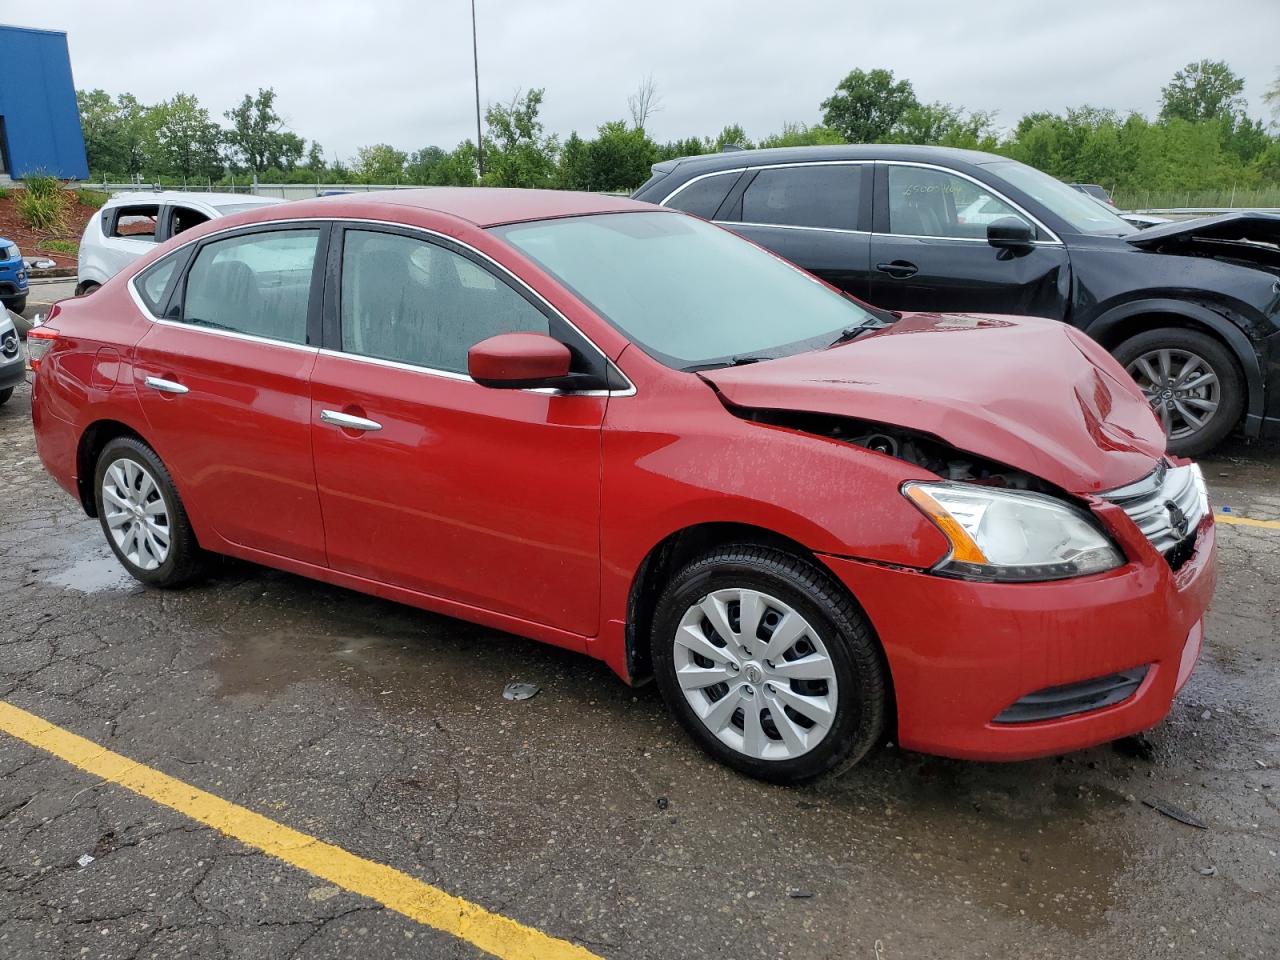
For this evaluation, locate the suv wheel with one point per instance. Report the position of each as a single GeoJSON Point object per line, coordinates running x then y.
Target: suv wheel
{"type": "Point", "coordinates": [1192, 382]}
{"type": "Point", "coordinates": [142, 516]}
{"type": "Point", "coordinates": [769, 665]}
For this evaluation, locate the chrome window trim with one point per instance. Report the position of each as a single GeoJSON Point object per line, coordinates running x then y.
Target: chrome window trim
{"type": "Point", "coordinates": [692, 180]}
{"type": "Point", "coordinates": [1056, 241]}
{"type": "Point", "coordinates": [730, 224]}
{"type": "Point", "coordinates": [628, 391]}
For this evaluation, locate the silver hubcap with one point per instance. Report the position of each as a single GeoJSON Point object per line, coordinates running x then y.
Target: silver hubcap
{"type": "Point", "coordinates": [136, 515]}
{"type": "Point", "coordinates": [1181, 387]}
{"type": "Point", "coordinates": [756, 674]}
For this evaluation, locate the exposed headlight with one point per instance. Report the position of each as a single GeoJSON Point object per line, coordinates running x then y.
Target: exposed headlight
{"type": "Point", "coordinates": [1012, 535]}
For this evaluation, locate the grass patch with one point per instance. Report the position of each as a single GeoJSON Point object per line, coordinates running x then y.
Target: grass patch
{"type": "Point", "coordinates": [4, 192]}
{"type": "Point", "coordinates": [92, 198]}
{"type": "Point", "coordinates": [68, 248]}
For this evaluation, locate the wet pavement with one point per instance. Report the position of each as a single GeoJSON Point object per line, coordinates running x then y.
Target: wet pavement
{"type": "Point", "coordinates": [582, 812]}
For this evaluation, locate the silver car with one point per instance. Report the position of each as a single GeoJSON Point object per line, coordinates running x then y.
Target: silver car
{"type": "Point", "coordinates": [12, 364]}
{"type": "Point", "coordinates": [130, 224]}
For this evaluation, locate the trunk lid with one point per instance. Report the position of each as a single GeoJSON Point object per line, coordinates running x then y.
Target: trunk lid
{"type": "Point", "coordinates": [1033, 394]}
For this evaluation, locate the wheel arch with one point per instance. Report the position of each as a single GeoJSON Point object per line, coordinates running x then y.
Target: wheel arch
{"type": "Point", "coordinates": [1122, 322]}
{"type": "Point", "coordinates": [92, 442]}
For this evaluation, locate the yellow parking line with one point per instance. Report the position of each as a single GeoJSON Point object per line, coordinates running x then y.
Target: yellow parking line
{"type": "Point", "coordinates": [1238, 521]}
{"type": "Point", "coordinates": [492, 933]}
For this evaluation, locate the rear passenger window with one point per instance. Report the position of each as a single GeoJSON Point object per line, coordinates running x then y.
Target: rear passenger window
{"type": "Point", "coordinates": [703, 197]}
{"type": "Point", "coordinates": [415, 302]}
{"type": "Point", "coordinates": [135, 223]}
{"type": "Point", "coordinates": [257, 284]}
{"type": "Point", "coordinates": [154, 281]}
{"type": "Point", "coordinates": [819, 195]}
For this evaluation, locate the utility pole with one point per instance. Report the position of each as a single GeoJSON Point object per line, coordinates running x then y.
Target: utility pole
{"type": "Point", "coordinates": [475, 61]}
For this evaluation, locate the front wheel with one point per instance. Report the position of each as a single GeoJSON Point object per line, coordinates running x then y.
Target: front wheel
{"type": "Point", "coordinates": [142, 516]}
{"type": "Point", "coordinates": [17, 306]}
{"type": "Point", "coordinates": [1192, 382]}
{"type": "Point", "coordinates": [769, 665]}
{"type": "Point", "coordinates": [5, 394]}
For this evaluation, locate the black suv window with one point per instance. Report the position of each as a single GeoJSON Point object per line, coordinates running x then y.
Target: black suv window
{"type": "Point", "coordinates": [816, 195]}
{"type": "Point", "coordinates": [703, 197]}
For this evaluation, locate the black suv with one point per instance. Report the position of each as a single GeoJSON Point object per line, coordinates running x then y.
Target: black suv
{"type": "Point", "coordinates": [1191, 309]}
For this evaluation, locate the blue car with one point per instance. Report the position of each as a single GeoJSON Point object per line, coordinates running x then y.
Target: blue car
{"type": "Point", "coordinates": [13, 276]}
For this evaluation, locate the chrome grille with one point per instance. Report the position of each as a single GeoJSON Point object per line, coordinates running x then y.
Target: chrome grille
{"type": "Point", "coordinates": [1167, 504]}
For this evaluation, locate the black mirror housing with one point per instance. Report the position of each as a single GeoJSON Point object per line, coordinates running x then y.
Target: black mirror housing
{"type": "Point", "coordinates": [1011, 233]}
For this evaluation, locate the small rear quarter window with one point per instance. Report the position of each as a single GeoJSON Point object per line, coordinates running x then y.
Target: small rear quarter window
{"type": "Point", "coordinates": [153, 283]}
{"type": "Point", "coordinates": [703, 197]}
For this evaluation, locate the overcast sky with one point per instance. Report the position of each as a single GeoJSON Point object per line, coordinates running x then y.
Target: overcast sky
{"type": "Point", "coordinates": [365, 71]}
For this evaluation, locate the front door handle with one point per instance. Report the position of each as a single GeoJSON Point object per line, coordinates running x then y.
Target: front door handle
{"type": "Point", "coordinates": [348, 422]}
{"type": "Point", "coordinates": [164, 386]}
{"type": "Point", "coordinates": [898, 269]}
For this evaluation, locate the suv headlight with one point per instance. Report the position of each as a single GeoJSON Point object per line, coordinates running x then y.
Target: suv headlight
{"type": "Point", "coordinates": [11, 252]}
{"type": "Point", "coordinates": [1012, 535]}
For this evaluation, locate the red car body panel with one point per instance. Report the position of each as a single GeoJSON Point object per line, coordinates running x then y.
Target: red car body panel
{"type": "Point", "coordinates": [535, 513]}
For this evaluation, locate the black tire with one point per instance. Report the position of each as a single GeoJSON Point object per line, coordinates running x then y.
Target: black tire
{"type": "Point", "coordinates": [860, 671]}
{"type": "Point", "coordinates": [86, 288]}
{"type": "Point", "coordinates": [185, 560]}
{"type": "Point", "coordinates": [5, 394]}
{"type": "Point", "coordinates": [1214, 355]}
{"type": "Point", "coordinates": [17, 306]}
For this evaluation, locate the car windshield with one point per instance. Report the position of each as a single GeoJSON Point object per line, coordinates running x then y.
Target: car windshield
{"type": "Point", "coordinates": [1084, 213]}
{"type": "Point", "coordinates": [689, 293]}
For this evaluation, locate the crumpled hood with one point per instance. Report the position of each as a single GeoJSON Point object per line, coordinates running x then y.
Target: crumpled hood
{"type": "Point", "coordinates": [1033, 394]}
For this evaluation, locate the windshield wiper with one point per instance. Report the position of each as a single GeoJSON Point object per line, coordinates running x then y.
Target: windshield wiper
{"type": "Point", "coordinates": [737, 361]}
{"type": "Point", "coordinates": [852, 333]}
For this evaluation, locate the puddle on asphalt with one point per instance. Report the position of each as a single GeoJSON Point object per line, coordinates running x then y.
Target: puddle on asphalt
{"type": "Point", "coordinates": [92, 575]}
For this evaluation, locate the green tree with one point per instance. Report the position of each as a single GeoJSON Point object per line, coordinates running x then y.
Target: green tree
{"type": "Point", "coordinates": [1206, 90]}
{"type": "Point", "coordinates": [517, 151]}
{"type": "Point", "coordinates": [457, 168]}
{"type": "Point", "coordinates": [866, 106]}
{"type": "Point", "coordinates": [258, 136]}
{"type": "Point", "coordinates": [315, 159]}
{"type": "Point", "coordinates": [573, 172]}
{"type": "Point", "coordinates": [380, 163]}
{"type": "Point", "coordinates": [421, 164]}
{"type": "Point", "coordinates": [731, 136]}
{"type": "Point", "coordinates": [105, 143]}
{"type": "Point", "coordinates": [941, 124]}
{"type": "Point", "coordinates": [802, 135]}
{"type": "Point", "coordinates": [688, 147]}
{"type": "Point", "coordinates": [188, 143]}
{"type": "Point", "coordinates": [1272, 99]}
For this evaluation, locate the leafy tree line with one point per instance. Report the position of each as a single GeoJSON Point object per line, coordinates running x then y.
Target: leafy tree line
{"type": "Point", "coordinates": [1202, 138]}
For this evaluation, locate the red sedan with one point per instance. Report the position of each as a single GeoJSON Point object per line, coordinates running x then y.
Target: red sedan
{"type": "Point", "coordinates": [625, 431]}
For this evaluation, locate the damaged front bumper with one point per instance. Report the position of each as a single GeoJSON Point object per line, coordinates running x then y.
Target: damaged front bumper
{"type": "Point", "coordinates": [962, 653]}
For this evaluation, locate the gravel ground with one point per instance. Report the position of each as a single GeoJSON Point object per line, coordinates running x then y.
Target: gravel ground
{"type": "Point", "coordinates": [583, 811]}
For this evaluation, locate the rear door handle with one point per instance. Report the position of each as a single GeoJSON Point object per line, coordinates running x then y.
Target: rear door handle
{"type": "Point", "coordinates": [164, 386]}
{"type": "Point", "coordinates": [898, 269]}
{"type": "Point", "coordinates": [348, 422]}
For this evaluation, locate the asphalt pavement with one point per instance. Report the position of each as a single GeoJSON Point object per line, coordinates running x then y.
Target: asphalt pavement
{"type": "Point", "coordinates": [262, 766]}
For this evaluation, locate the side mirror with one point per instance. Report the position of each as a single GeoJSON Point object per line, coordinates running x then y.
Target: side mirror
{"type": "Point", "coordinates": [1011, 233]}
{"type": "Point", "coordinates": [515, 361]}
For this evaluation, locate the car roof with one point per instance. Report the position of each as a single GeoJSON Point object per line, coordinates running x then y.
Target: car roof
{"type": "Point", "coordinates": [490, 206]}
{"type": "Point", "coordinates": [845, 151]}
{"type": "Point", "coordinates": [216, 200]}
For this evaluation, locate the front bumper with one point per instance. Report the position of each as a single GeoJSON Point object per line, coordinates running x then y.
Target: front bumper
{"type": "Point", "coordinates": [13, 279]}
{"type": "Point", "coordinates": [961, 652]}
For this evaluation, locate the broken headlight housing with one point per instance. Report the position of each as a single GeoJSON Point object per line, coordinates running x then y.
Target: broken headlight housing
{"type": "Point", "coordinates": [1012, 535]}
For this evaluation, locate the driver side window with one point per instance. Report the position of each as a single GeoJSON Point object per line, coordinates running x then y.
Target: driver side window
{"type": "Point", "coordinates": [413, 301]}
{"type": "Point", "coordinates": [924, 202]}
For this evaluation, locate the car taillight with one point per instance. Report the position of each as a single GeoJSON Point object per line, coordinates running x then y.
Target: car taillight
{"type": "Point", "coordinates": [40, 339]}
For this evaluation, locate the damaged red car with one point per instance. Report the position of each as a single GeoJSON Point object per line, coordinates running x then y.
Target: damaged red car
{"type": "Point", "coordinates": [625, 431]}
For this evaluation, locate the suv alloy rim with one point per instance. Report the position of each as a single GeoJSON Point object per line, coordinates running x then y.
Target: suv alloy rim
{"type": "Point", "coordinates": [1181, 387]}
{"type": "Point", "coordinates": [756, 674]}
{"type": "Point", "coordinates": [136, 515]}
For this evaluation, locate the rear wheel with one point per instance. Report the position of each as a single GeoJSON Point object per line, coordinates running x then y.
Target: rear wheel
{"type": "Point", "coordinates": [5, 394]}
{"type": "Point", "coordinates": [142, 516]}
{"type": "Point", "coordinates": [17, 306]}
{"type": "Point", "coordinates": [1192, 382]}
{"type": "Point", "coordinates": [86, 288]}
{"type": "Point", "coordinates": [768, 664]}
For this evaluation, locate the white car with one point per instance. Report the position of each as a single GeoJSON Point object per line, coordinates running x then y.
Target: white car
{"type": "Point", "coordinates": [130, 224]}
